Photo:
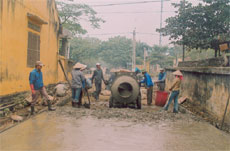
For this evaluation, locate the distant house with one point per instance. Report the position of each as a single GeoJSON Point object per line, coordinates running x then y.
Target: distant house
{"type": "Point", "coordinates": [29, 31]}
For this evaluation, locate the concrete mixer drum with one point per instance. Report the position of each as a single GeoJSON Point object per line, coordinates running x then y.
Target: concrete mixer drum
{"type": "Point", "coordinates": [125, 91]}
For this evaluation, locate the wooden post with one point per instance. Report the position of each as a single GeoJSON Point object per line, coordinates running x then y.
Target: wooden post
{"type": "Point", "coordinates": [63, 70]}
{"type": "Point", "coordinates": [183, 53]}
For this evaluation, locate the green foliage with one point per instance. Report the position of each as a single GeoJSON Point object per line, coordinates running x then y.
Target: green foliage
{"type": "Point", "coordinates": [198, 54]}
{"type": "Point", "coordinates": [72, 14]}
{"type": "Point", "coordinates": [117, 51]}
{"type": "Point", "coordinates": [160, 55]}
{"type": "Point", "coordinates": [85, 50]}
{"type": "Point", "coordinates": [198, 27]}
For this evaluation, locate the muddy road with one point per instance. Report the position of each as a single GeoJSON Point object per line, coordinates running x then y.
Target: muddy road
{"type": "Point", "coordinates": [101, 128]}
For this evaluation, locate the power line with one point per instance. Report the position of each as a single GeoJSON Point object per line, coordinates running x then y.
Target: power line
{"type": "Point", "coordinates": [141, 12]}
{"type": "Point", "coordinates": [127, 3]}
{"type": "Point", "coordinates": [103, 34]}
{"type": "Point", "coordinates": [144, 12]}
{"type": "Point", "coordinates": [125, 33]}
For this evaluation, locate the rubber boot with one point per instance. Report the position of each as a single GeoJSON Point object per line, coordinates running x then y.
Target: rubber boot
{"type": "Point", "coordinates": [74, 104]}
{"type": "Point", "coordinates": [32, 110]}
{"type": "Point", "coordinates": [50, 107]}
{"type": "Point", "coordinates": [175, 111]}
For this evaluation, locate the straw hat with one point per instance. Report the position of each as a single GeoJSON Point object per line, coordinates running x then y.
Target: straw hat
{"type": "Point", "coordinates": [177, 73]}
{"type": "Point", "coordinates": [78, 66]}
{"type": "Point", "coordinates": [98, 64]}
{"type": "Point", "coordinates": [84, 67]}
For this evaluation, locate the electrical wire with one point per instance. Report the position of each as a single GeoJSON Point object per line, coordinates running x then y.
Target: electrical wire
{"type": "Point", "coordinates": [126, 33]}
{"type": "Point", "coordinates": [144, 12]}
{"type": "Point", "coordinates": [127, 3]}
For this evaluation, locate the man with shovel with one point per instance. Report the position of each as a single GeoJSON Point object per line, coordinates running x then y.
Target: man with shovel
{"type": "Point", "coordinates": [77, 84]}
{"type": "Point", "coordinates": [175, 88]}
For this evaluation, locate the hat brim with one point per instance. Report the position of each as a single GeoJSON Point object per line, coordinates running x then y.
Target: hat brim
{"type": "Point", "coordinates": [78, 66]}
{"type": "Point", "coordinates": [177, 73]}
{"type": "Point", "coordinates": [40, 65]}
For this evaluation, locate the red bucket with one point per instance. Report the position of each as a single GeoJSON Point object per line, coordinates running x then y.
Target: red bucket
{"type": "Point", "coordinates": [161, 98]}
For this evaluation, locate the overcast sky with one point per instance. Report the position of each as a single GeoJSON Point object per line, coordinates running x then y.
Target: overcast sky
{"type": "Point", "coordinates": [123, 19]}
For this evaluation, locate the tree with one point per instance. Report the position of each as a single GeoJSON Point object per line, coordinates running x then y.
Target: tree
{"type": "Point", "coordinates": [160, 55]}
{"type": "Point", "coordinates": [85, 50]}
{"type": "Point", "coordinates": [72, 14]}
{"type": "Point", "coordinates": [198, 27]}
{"type": "Point", "coordinates": [117, 51]}
{"type": "Point", "coordinates": [140, 46]}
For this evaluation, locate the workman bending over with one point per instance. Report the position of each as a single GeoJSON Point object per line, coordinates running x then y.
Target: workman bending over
{"type": "Point", "coordinates": [37, 86]}
{"type": "Point", "coordinates": [175, 88]}
{"type": "Point", "coordinates": [98, 77]}
{"type": "Point", "coordinates": [149, 86]}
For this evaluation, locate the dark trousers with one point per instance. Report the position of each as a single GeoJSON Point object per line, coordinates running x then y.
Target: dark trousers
{"type": "Point", "coordinates": [161, 86]}
{"type": "Point", "coordinates": [98, 90]}
{"type": "Point", "coordinates": [76, 94]}
{"type": "Point", "coordinates": [149, 95]}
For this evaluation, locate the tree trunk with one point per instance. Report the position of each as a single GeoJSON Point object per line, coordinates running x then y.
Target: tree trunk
{"type": "Point", "coordinates": [215, 53]}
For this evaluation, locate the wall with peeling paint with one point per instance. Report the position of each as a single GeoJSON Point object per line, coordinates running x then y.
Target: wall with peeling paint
{"type": "Point", "coordinates": [14, 72]}
{"type": "Point", "coordinates": [207, 87]}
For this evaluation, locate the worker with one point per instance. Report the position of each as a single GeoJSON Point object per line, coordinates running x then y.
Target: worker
{"type": "Point", "coordinates": [161, 80]}
{"type": "Point", "coordinates": [84, 85]}
{"type": "Point", "coordinates": [149, 86]}
{"type": "Point", "coordinates": [98, 77]}
{"type": "Point", "coordinates": [175, 88]}
{"type": "Point", "coordinates": [77, 84]}
{"type": "Point", "coordinates": [137, 71]}
{"type": "Point", "coordinates": [37, 86]}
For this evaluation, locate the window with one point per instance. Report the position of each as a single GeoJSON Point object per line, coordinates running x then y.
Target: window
{"type": "Point", "coordinates": [33, 47]}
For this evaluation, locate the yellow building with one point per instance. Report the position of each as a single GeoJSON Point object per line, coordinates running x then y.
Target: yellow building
{"type": "Point", "coordinates": [29, 31]}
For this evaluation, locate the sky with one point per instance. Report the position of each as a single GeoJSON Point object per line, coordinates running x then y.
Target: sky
{"type": "Point", "coordinates": [123, 19]}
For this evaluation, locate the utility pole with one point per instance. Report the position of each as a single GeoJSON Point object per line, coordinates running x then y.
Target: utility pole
{"type": "Point", "coordinates": [134, 50]}
{"type": "Point", "coordinates": [162, 3]}
{"type": "Point", "coordinates": [183, 39]}
{"type": "Point", "coordinates": [144, 58]}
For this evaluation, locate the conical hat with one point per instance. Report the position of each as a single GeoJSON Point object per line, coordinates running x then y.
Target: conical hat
{"type": "Point", "coordinates": [84, 67]}
{"type": "Point", "coordinates": [78, 66]}
{"type": "Point", "coordinates": [177, 73]}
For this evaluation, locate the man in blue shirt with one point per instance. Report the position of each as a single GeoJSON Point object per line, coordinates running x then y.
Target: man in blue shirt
{"type": "Point", "coordinates": [161, 80]}
{"type": "Point", "coordinates": [37, 86]}
{"type": "Point", "coordinates": [149, 86]}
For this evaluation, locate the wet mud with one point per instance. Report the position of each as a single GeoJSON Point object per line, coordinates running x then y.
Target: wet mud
{"type": "Point", "coordinates": [103, 129]}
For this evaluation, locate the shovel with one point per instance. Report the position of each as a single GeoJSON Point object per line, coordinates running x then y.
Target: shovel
{"type": "Point", "coordinates": [87, 106]}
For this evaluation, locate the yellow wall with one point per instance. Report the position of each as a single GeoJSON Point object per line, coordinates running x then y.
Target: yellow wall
{"type": "Point", "coordinates": [14, 72]}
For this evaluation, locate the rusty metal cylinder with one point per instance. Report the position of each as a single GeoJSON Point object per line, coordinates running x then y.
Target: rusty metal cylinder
{"type": "Point", "coordinates": [125, 89]}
